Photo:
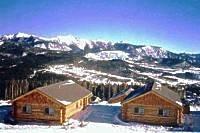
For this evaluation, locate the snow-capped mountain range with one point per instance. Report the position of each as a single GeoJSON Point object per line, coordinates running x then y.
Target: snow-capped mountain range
{"type": "Point", "coordinates": [75, 44]}
{"type": "Point", "coordinates": [59, 43]}
{"type": "Point", "coordinates": [67, 43]}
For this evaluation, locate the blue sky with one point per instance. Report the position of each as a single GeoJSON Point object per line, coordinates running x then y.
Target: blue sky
{"type": "Point", "coordinates": [171, 24]}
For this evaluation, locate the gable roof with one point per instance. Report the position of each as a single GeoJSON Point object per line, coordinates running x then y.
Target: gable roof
{"type": "Point", "coordinates": [139, 91]}
{"type": "Point", "coordinates": [122, 93]}
{"type": "Point", "coordinates": [164, 91]}
{"type": "Point", "coordinates": [64, 92]}
{"type": "Point", "coordinates": [157, 88]}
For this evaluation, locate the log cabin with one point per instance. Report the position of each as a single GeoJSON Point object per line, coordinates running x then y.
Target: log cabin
{"type": "Point", "coordinates": [54, 103]}
{"type": "Point", "coordinates": [153, 104]}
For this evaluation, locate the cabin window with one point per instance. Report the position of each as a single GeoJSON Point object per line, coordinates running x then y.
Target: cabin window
{"type": "Point", "coordinates": [27, 109]}
{"type": "Point", "coordinates": [139, 110]}
{"type": "Point", "coordinates": [49, 111]}
{"type": "Point", "coordinates": [163, 112]}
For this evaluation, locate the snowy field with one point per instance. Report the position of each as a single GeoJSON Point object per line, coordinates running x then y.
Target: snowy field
{"type": "Point", "coordinates": [97, 118]}
{"type": "Point", "coordinates": [153, 71]}
{"type": "Point", "coordinates": [162, 79]}
{"type": "Point", "coordinates": [89, 75]}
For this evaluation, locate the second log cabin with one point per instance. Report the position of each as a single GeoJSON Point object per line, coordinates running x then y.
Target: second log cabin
{"type": "Point", "coordinates": [154, 104]}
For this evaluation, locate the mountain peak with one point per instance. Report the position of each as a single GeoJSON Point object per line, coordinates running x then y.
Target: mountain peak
{"type": "Point", "coordinates": [65, 39]}
{"type": "Point", "coordinates": [16, 35]}
{"type": "Point", "coordinates": [8, 36]}
{"type": "Point", "coordinates": [20, 34]}
{"type": "Point", "coordinates": [153, 51]}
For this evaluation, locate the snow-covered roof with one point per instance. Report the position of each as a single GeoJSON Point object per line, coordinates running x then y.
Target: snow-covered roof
{"type": "Point", "coordinates": [65, 92]}
{"type": "Point", "coordinates": [156, 87]}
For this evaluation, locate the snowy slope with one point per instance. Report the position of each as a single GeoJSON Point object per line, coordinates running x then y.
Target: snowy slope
{"type": "Point", "coordinates": [108, 55]}
{"type": "Point", "coordinates": [17, 35]}
{"type": "Point", "coordinates": [89, 75]}
{"type": "Point", "coordinates": [10, 36]}
{"type": "Point", "coordinates": [20, 34]}
{"type": "Point", "coordinates": [154, 52]}
{"type": "Point", "coordinates": [54, 46]}
{"type": "Point", "coordinates": [78, 42]}
{"type": "Point", "coordinates": [69, 40]}
{"type": "Point", "coordinates": [1, 42]}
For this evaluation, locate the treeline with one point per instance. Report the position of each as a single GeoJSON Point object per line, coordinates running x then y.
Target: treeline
{"type": "Point", "coordinates": [15, 88]}
{"type": "Point", "coordinates": [106, 91]}
{"type": "Point", "coordinates": [11, 89]}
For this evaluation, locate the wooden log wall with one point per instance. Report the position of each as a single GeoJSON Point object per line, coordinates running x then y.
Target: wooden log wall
{"type": "Point", "coordinates": [151, 104]}
{"type": "Point", "coordinates": [38, 104]}
{"type": "Point", "coordinates": [77, 106]}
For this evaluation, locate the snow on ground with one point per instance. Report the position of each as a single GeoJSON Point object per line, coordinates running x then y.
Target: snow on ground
{"type": "Point", "coordinates": [194, 108]}
{"type": "Point", "coordinates": [96, 118]}
{"type": "Point", "coordinates": [146, 73]}
{"type": "Point", "coordinates": [164, 79]}
{"type": "Point", "coordinates": [1, 43]}
{"type": "Point", "coordinates": [4, 103]}
{"type": "Point", "coordinates": [107, 55]}
{"type": "Point", "coordinates": [89, 75]}
{"type": "Point", "coordinates": [54, 46]}
{"type": "Point", "coordinates": [20, 34]}
{"type": "Point", "coordinates": [101, 77]}
{"type": "Point", "coordinates": [76, 128]}
{"type": "Point", "coordinates": [191, 70]}
{"type": "Point", "coordinates": [40, 45]}
{"type": "Point", "coordinates": [149, 66]}
{"type": "Point", "coordinates": [186, 81]}
{"type": "Point", "coordinates": [58, 47]}
{"type": "Point", "coordinates": [104, 78]}
{"type": "Point", "coordinates": [195, 118]}
{"type": "Point", "coordinates": [153, 52]}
